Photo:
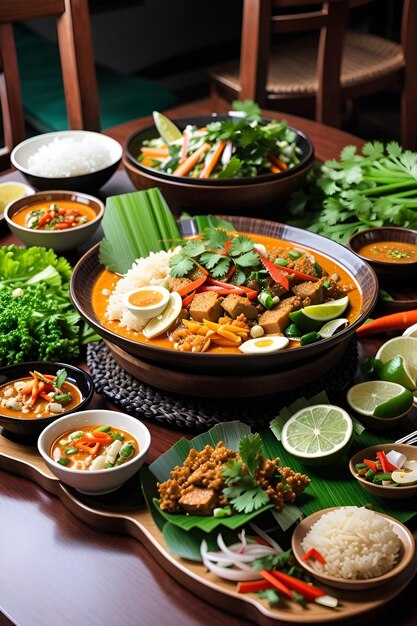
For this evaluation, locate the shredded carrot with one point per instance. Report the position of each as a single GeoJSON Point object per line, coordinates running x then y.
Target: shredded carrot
{"type": "Point", "coordinates": [191, 161]}
{"type": "Point", "coordinates": [209, 167]}
{"type": "Point", "coordinates": [163, 151]}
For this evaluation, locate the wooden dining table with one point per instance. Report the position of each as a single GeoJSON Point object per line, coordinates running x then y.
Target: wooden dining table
{"type": "Point", "coordinates": [56, 568]}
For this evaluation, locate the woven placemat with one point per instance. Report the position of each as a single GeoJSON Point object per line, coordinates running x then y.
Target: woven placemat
{"type": "Point", "coordinates": [146, 402]}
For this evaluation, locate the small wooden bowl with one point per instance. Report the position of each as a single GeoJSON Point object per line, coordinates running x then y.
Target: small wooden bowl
{"type": "Point", "coordinates": [387, 272]}
{"type": "Point", "coordinates": [393, 493]}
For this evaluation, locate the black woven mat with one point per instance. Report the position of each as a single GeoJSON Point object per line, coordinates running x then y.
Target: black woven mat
{"type": "Point", "coordinates": [146, 402]}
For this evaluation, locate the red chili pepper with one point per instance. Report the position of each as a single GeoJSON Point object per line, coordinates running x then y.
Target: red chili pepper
{"type": "Point", "coordinates": [192, 286]}
{"type": "Point", "coordinates": [371, 464]}
{"type": "Point", "coordinates": [385, 464]}
{"type": "Point", "coordinates": [276, 583]}
{"type": "Point", "coordinates": [274, 272]}
{"type": "Point", "coordinates": [298, 275]}
{"type": "Point", "coordinates": [314, 554]}
{"type": "Point", "coordinates": [231, 271]}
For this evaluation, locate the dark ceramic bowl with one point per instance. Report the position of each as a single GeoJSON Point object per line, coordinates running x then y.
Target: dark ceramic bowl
{"type": "Point", "coordinates": [387, 272]}
{"type": "Point", "coordinates": [213, 194]}
{"type": "Point", "coordinates": [32, 427]}
{"type": "Point", "coordinates": [58, 240]}
{"type": "Point", "coordinates": [88, 270]}
{"type": "Point", "coordinates": [90, 181]}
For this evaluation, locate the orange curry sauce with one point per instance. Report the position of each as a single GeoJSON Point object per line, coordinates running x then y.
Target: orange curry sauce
{"type": "Point", "coordinates": [107, 281]}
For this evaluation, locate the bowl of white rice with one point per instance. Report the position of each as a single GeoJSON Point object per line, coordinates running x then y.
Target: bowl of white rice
{"type": "Point", "coordinates": [75, 160]}
{"type": "Point", "coordinates": [357, 548]}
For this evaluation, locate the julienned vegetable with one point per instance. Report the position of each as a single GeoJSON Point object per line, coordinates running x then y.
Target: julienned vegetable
{"type": "Point", "coordinates": [360, 190]}
{"type": "Point", "coordinates": [233, 148]}
{"type": "Point", "coordinates": [37, 319]}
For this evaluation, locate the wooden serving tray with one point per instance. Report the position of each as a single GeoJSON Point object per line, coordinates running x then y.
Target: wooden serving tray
{"type": "Point", "coordinates": [124, 512]}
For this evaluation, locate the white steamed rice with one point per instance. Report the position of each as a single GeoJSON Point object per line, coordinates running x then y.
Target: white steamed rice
{"type": "Point", "coordinates": [357, 543]}
{"type": "Point", "coordinates": [65, 157]}
{"type": "Point", "coordinates": [151, 270]}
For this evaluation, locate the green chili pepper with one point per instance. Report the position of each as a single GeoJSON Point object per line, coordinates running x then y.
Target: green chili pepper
{"type": "Point", "coordinates": [308, 338]}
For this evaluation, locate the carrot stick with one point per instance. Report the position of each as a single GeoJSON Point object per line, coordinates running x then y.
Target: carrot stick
{"type": "Point", "coordinates": [276, 583]}
{"type": "Point", "coordinates": [253, 586]}
{"type": "Point", "coordinates": [395, 321]}
{"type": "Point", "coordinates": [274, 169]}
{"type": "Point", "coordinates": [277, 162]}
{"type": "Point", "coordinates": [191, 161]}
{"type": "Point", "coordinates": [163, 151]}
{"type": "Point", "coordinates": [209, 167]}
{"type": "Point", "coordinates": [295, 584]}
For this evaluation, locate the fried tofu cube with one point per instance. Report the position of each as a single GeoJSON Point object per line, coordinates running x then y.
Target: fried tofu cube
{"type": "Point", "coordinates": [199, 501]}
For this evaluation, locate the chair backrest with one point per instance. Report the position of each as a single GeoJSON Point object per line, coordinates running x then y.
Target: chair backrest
{"type": "Point", "coordinates": [77, 63]}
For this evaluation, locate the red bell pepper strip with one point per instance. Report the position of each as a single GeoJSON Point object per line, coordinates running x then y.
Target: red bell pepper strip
{"type": "Point", "coordinates": [187, 300]}
{"type": "Point", "coordinates": [371, 464]}
{"type": "Point", "coordinates": [314, 554]}
{"type": "Point", "coordinates": [295, 584]}
{"type": "Point", "coordinates": [222, 291]}
{"type": "Point", "coordinates": [385, 464]}
{"type": "Point", "coordinates": [231, 271]}
{"type": "Point", "coordinates": [298, 275]}
{"type": "Point", "coordinates": [274, 272]}
{"type": "Point", "coordinates": [219, 283]}
{"type": "Point", "coordinates": [279, 586]}
{"type": "Point", "coordinates": [253, 586]}
{"type": "Point", "coordinates": [192, 286]}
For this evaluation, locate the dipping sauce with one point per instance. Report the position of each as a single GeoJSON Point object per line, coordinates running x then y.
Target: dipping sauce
{"type": "Point", "coordinates": [38, 396]}
{"type": "Point", "coordinates": [60, 215]}
{"type": "Point", "coordinates": [390, 251]}
{"type": "Point", "coordinates": [94, 447]}
{"type": "Point", "coordinates": [145, 298]}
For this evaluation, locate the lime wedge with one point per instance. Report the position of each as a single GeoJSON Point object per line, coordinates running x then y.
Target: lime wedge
{"type": "Point", "coordinates": [159, 324]}
{"type": "Point", "coordinates": [318, 435]}
{"type": "Point", "coordinates": [403, 370]}
{"type": "Point", "coordinates": [313, 317]}
{"type": "Point", "coordinates": [167, 129]}
{"type": "Point", "coordinates": [380, 399]}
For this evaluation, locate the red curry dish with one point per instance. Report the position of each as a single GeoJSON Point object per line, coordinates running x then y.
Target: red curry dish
{"type": "Point", "coordinates": [231, 291]}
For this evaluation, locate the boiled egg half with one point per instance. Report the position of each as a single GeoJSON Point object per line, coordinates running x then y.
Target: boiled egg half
{"type": "Point", "coordinates": [264, 344]}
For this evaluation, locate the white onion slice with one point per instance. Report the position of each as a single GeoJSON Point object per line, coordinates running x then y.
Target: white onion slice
{"type": "Point", "coordinates": [227, 573]}
{"type": "Point", "coordinates": [267, 538]}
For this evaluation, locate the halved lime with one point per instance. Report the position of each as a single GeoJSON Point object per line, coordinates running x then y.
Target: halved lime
{"type": "Point", "coordinates": [167, 129]}
{"type": "Point", "coordinates": [380, 399]}
{"type": "Point", "coordinates": [314, 316]}
{"type": "Point", "coordinates": [318, 435]}
{"type": "Point", "coordinates": [404, 370]}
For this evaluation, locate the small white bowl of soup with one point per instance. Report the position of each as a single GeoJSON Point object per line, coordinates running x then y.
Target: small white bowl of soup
{"type": "Point", "coordinates": [61, 220]}
{"type": "Point", "coordinates": [95, 451]}
{"type": "Point", "coordinates": [147, 302]}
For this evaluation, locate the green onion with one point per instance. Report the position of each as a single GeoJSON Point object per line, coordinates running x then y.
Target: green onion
{"type": "Point", "coordinates": [281, 262]}
{"type": "Point", "coordinates": [267, 300]}
{"type": "Point", "coordinates": [134, 225]}
{"type": "Point", "coordinates": [294, 254]}
{"type": "Point", "coordinates": [72, 450]}
{"type": "Point", "coordinates": [103, 429]}
{"type": "Point", "coordinates": [63, 461]}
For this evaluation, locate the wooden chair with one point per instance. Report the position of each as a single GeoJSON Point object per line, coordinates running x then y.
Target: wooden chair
{"type": "Point", "coordinates": [76, 54]}
{"type": "Point", "coordinates": [333, 65]}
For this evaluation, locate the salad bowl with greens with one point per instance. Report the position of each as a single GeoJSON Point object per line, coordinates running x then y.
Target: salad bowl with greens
{"type": "Point", "coordinates": [236, 160]}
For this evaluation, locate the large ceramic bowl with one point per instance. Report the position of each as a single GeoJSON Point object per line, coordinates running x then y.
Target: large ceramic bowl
{"type": "Point", "coordinates": [25, 427]}
{"type": "Point", "coordinates": [387, 272]}
{"type": "Point", "coordinates": [213, 194]}
{"type": "Point", "coordinates": [88, 270]}
{"type": "Point", "coordinates": [390, 492]}
{"type": "Point", "coordinates": [58, 240]}
{"type": "Point", "coordinates": [98, 481]}
{"type": "Point", "coordinates": [406, 554]}
{"type": "Point", "coordinates": [87, 170]}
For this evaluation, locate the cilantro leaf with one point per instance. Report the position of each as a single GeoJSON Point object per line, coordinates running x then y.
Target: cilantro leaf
{"type": "Point", "coordinates": [272, 561]}
{"type": "Point", "coordinates": [246, 500]}
{"type": "Point", "coordinates": [250, 259]}
{"type": "Point", "coordinates": [194, 248]}
{"type": "Point", "coordinates": [251, 451]}
{"type": "Point", "coordinates": [250, 108]}
{"type": "Point", "coordinates": [215, 237]}
{"type": "Point", "coordinates": [221, 267]}
{"type": "Point", "coordinates": [232, 169]}
{"type": "Point", "coordinates": [180, 265]}
{"type": "Point", "coordinates": [270, 595]}
{"type": "Point", "coordinates": [240, 245]}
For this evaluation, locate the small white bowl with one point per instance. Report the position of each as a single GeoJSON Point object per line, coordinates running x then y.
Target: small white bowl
{"type": "Point", "coordinates": [150, 310]}
{"type": "Point", "coordinates": [411, 331]}
{"type": "Point", "coordinates": [73, 179]}
{"type": "Point", "coordinates": [95, 482]}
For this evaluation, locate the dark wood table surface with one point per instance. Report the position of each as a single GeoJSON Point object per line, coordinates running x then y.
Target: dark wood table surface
{"type": "Point", "coordinates": [55, 569]}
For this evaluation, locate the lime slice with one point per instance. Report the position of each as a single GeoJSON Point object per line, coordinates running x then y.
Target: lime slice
{"type": "Point", "coordinates": [167, 129]}
{"type": "Point", "coordinates": [313, 317]}
{"type": "Point", "coordinates": [403, 371]}
{"type": "Point", "coordinates": [159, 324]}
{"type": "Point", "coordinates": [318, 434]}
{"type": "Point", "coordinates": [380, 399]}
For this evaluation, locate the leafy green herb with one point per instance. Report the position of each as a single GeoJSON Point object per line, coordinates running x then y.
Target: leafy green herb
{"type": "Point", "coordinates": [249, 108]}
{"type": "Point", "coordinates": [375, 188]}
{"type": "Point", "coordinates": [272, 561]}
{"type": "Point", "coordinates": [270, 595]}
{"type": "Point", "coordinates": [60, 378]}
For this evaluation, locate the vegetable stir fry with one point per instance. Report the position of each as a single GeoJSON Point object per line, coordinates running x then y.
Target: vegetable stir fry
{"type": "Point", "coordinates": [234, 148]}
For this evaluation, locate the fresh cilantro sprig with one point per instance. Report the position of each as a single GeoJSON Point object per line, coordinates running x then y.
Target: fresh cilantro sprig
{"type": "Point", "coordinates": [360, 190]}
{"type": "Point", "coordinates": [216, 251]}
